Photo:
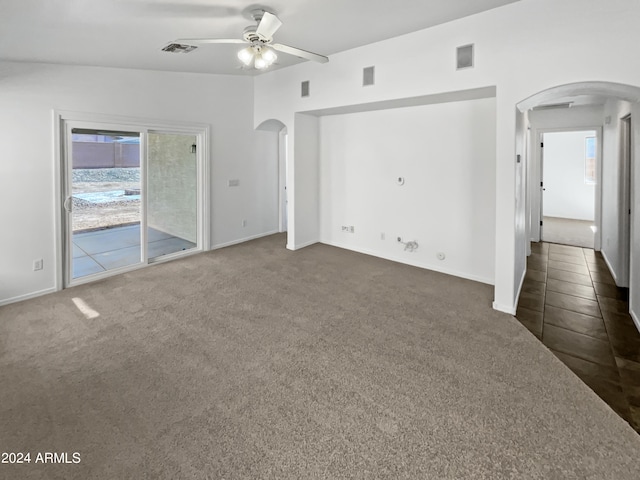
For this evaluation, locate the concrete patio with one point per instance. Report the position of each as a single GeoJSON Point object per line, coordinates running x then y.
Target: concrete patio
{"type": "Point", "coordinates": [102, 250]}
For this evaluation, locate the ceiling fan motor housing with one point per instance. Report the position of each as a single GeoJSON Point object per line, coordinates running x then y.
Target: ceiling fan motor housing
{"type": "Point", "coordinates": [251, 36]}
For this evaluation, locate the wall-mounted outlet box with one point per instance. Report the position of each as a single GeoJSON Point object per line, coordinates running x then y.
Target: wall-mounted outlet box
{"type": "Point", "coordinates": [351, 229]}
{"type": "Point", "coordinates": [244, 223]}
{"type": "Point", "coordinates": [38, 264]}
{"type": "Point", "coordinates": [233, 183]}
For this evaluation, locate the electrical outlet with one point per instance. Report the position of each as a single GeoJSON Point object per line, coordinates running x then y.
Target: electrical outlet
{"type": "Point", "coordinates": [345, 228]}
{"type": "Point", "coordinates": [351, 229]}
{"type": "Point", "coordinates": [244, 223]}
{"type": "Point", "coordinates": [382, 236]}
{"type": "Point", "coordinates": [38, 264]}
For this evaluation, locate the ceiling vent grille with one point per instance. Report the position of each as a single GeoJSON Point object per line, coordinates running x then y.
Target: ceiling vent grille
{"type": "Point", "coordinates": [368, 76]}
{"type": "Point", "coordinates": [464, 57]}
{"type": "Point", "coordinates": [178, 48]}
{"type": "Point", "coordinates": [304, 88]}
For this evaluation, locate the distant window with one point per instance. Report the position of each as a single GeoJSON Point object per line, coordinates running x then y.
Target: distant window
{"type": "Point", "coordinates": [590, 161]}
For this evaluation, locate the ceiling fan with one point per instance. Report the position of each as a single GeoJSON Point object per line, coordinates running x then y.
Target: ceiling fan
{"type": "Point", "coordinates": [260, 52]}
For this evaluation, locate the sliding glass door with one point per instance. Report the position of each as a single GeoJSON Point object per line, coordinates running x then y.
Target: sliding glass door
{"type": "Point", "coordinates": [172, 193]}
{"type": "Point", "coordinates": [131, 196]}
{"type": "Point", "coordinates": [104, 205]}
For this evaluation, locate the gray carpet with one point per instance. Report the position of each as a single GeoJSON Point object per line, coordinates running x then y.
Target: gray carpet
{"type": "Point", "coordinates": [568, 231]}
{"type": "Point", "coordinates": [257, 362]}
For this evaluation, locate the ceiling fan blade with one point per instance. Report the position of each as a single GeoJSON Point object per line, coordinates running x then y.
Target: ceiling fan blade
{"type": "Point", "coordinates": [203, 41]}
{"type": "Point", "coordinates": [300, 53]}
{"type": "Point", "coordinates": [268, 25]}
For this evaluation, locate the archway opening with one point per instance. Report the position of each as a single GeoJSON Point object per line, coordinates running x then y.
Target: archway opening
{"type": "Point", "coordinates": [611, 109]}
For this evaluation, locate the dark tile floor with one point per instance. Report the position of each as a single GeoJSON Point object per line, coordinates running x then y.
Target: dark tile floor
{"type": "Point", "coordinates": [569, 300]}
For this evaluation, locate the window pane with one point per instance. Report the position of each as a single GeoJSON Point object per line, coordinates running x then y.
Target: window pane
{"type": "Point", "coordinates": [590, 160]}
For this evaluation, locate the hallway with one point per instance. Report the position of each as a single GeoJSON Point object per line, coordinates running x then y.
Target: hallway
{"type": "Point", "coordinates": [570, 302]}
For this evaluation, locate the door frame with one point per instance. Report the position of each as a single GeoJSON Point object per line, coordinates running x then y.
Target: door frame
{"type": "Point", "coordinates": [537, 176]}
{"type": "Point", "coordinates": [63, 247]}
{"type": "Point", "coordinates": [283, 139]}
{"type": "Point", "coordinates": [627, 186]}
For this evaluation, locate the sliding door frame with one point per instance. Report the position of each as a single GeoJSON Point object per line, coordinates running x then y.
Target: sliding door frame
{"type": "Point", "coordinates": [62, 120]}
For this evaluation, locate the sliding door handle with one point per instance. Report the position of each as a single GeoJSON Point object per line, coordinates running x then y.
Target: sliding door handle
{"type": "Point", "coordinates": [68, 204]}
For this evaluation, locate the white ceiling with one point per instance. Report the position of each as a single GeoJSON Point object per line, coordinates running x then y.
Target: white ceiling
{"type": "Point", "coordinates": [131, 33]}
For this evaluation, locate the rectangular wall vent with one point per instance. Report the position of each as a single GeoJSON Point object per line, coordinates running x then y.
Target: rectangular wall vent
{"type": "Point", "coordinates": [368, 76]}
{"type": "Point", "coordinates": [464, 57]}
{"type": "Point", "coordinates": [305, 92]}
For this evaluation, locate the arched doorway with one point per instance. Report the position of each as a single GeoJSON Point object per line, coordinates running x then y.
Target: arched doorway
{"type": "Point", "coordinates": [617, 232]}
{"type": "Point", "coordinates": [573, 299]}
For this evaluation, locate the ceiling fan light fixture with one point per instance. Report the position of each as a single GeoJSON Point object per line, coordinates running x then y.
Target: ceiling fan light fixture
{"type": "Point", "coordinates": [260, 62]}
{"type": "Point", "coordinates": [260, 54]}
{"type": "Point", "coordinates": [246, 55]}
{"type": "Point", "coordinates": [269, 56]}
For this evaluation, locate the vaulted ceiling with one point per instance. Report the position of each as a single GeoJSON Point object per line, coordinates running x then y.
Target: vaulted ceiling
{"type": "Point", "coordinates": [131, 33]}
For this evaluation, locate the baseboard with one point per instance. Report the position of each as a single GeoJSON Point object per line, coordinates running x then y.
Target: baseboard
{"type": "Point", "coordinates": [403, 260]}
{"type": "Point", "coordinates": [27, 296]}
{"type": "Point", "coordinates": [517, 299]}
{"type": "Point", "coordinates": [635, 319]}
{"type": "Point", "coordinates": [242, 240]}
{"type": "Point", "coordinates": [611, 270]}
{"type": "Point", "coordinates": [501, 308]}
{"type": "Point", "coordinates": [302, 245]}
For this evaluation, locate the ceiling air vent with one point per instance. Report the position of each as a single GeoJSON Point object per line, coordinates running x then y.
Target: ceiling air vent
{"type": "Point", "coordinates": [178, 48]}
{"type": "Point", "coordinates": [305, 88]}
{"type": "Point", "coordinates": [368, 76]}
{"type": "Point", "coordinates": [464, 57]}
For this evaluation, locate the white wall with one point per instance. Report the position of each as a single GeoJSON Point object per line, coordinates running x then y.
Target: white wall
{"type": "Point", "coordinates": [522, 48]}
{"type": "Point", "coordinates": [613, 192]}
{"type": "Point", "coordinates": [566, 195]}
{"type": "Point", "coordinates": [30, 92]}
{"type": "Point", "coordinates": [304, 223]}
{"type": "Point", "coordinates": [445, 153]}
{"type": "Point", "coordinates": [522, 249]}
